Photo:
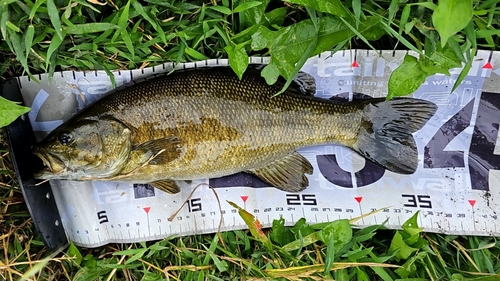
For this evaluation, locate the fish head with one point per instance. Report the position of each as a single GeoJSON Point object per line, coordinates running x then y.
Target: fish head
{"type": "Point", "coordinates": [84, 150]}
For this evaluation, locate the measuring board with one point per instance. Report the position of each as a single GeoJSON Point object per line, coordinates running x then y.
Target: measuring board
{"type": "Point", "coordinates": [456, 187]}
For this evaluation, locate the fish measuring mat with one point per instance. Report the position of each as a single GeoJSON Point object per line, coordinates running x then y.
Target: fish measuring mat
{"type": "Point", "coordinates": [455, 187]}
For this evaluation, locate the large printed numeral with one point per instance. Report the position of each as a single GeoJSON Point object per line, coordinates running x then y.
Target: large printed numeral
{"type": "Point", "coordinates": [102, 217]}
{"type": "Point", "coordinates": [435, 156]}
{"type": "Point", "coordinates": [194, 205]}
{"type": "Point", "coordinates": [330, 169]}
{"type": "Point", "coordinates": [301, 199]}
{"type": "Point", "coordinates": [482, 158]}
{"type": "Point", "coordinates": [329, 166]}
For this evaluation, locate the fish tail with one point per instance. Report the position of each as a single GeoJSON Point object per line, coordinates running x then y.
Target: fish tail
{"type": "Point", "coordinates": [385, 136]}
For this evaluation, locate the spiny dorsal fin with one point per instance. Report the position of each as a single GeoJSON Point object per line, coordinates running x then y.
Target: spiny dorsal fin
{"type": "Point", "coordinates": [287, 174]}
{"type": "Point", "coordinates": [305, 83]}
{"type": "Point", "coordinates": [170, 145]}
{"type": "Point", "coordinates": [169, 186]}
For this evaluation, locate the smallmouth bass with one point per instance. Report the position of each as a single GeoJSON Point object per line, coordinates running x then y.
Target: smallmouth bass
{"type": "Point", "coordinates": [206, 123]}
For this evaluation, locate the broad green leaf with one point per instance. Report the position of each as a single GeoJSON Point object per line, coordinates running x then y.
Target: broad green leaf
{"type": "Point", "coordinates": [302, 242]}
{"type": "Point", "coordinates": [409, 267]}
{"type": "Point", "coordinates": [302, 228]}
{"type": "Point", "coordinates": [334, 7]}
{"type": "Point", "coordinates": [410, 226]}
{"type": "Point", "coordinates": [255, 15]}
{"type": "Point", "coordinates": [10, 111]}
{"type": "Point", "coordinates": [238, 58]}
{"type": "Point", "coordinates": [341, 230]}
{"type": "Point", "coordinates": [85, 28]}
{"type": "Point", "coordinates": [440, 61]}
{"type": "Point", "coordinates": [246, 5]}
{"type": "Point", "coordinates": [398, 244]}
{"type": "Point", "coordinates": [451, 16]}
{"type": "Point", "coordinates": [307, 53]}
{"type": "Point", "coordinates": [281, 234]}
{"type": "Point", "coordinates": [406, 78]}
{"type": "Point", "coordinates": [54, 18]}
{"type": "Point", "coordinates": [288, 45]}
{"type": "Point", "coordinates": [74, 252]}
{"type": "Point", "coordinates": [270, 73]}
{"type": "Point", "coordinates": [276, 16]}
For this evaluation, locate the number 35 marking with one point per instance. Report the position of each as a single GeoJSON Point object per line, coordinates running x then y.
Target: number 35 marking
{"type": "Point", "coordinates": [417, 201]}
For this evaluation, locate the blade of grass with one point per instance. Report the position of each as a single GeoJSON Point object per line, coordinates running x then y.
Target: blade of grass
{"type": "Point", "coordinates": [54, 18]}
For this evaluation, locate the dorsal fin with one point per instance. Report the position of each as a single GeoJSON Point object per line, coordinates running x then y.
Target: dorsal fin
{"type": "Point", "coordinates": [303, 82]}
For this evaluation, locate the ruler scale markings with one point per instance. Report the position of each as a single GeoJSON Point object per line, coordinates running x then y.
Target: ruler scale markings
{"type": "Point", "coordinates": [358, 199]}
{"type": "Point", "coordinates": [366, 70]}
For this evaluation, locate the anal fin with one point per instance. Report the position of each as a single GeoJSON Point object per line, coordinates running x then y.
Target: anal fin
{"type": "Point", "coordinates": [287, 174]}
{"type": "Point", "coordinates": [169, 186]}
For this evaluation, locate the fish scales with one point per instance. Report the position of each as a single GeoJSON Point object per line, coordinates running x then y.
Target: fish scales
{"type": "Point", "coordinates": [226, 125]}
{"type": "Point", "coordinates": [205, 123]}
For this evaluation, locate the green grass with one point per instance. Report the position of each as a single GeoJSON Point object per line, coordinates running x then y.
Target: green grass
{"type": "Point", "coordinates": [302, 252]}
{"type": "Point", "coordinates": [51, 35]}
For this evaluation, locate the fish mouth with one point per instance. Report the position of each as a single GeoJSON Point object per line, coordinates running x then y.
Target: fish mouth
{"type": "Point", "coordinates": [52, 165]}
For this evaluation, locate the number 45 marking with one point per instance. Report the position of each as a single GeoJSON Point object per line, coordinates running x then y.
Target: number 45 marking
{"type": "Point", "coordinates": [482, 157]}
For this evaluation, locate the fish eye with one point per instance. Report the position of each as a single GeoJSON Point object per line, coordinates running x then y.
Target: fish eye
{"type": "Point", "coordinates": [65, 138]}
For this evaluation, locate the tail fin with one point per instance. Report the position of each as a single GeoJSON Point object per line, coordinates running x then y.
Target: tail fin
{"type": "Point", "coordinates": [385, 137]}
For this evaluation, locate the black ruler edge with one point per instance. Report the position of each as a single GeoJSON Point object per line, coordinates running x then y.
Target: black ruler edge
{"type": "Point", "coordinates": [39, 199]}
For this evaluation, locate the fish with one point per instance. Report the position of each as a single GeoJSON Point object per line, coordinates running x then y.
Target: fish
{"type": "Point", "coordinates": [207, 123]}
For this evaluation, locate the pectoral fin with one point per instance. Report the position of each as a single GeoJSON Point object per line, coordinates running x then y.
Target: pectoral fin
{"type": "Point", "coordinates": [169, 186]}
{"type": "Point", "coordinates": [287, 174]}
{"type": "Point", "coordinates": [158, 151]}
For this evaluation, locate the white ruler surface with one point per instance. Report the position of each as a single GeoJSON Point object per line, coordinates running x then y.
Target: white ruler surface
{"type": "Point", "coordinates": [456, 187]}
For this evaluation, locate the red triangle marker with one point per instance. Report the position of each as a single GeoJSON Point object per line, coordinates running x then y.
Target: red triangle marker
{"type": "Point", "coordinates": [472, 202]}
{"type": "Point", "coordinates": [359, 198]}
{"type": "Point", "coordinates": [355, 64]}
{"type": "Point", "coordinates": [488, 65]}
{"type": "Point", "coordinates": [244, 198]}
{"type": "Point", "coordinates": [146, 209]}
